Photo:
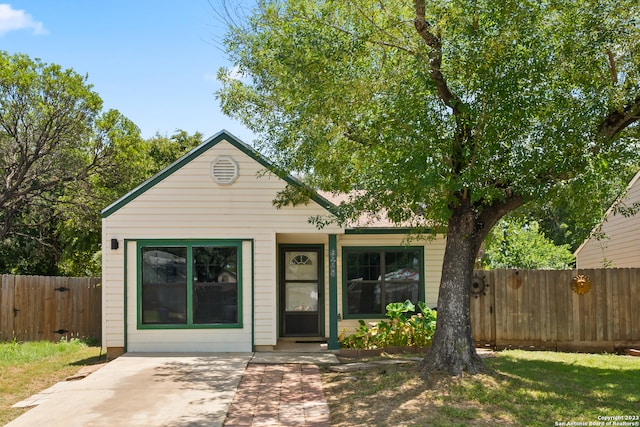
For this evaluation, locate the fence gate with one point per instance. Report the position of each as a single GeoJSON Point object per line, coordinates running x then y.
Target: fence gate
{"type": "Point", "coordinates": [49, 308]}
{"type": "Point", "coordinates": [483, 323]}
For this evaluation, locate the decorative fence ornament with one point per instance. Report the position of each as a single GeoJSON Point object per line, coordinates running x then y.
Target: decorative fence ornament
{"type": "Point", "coordinates": [478, 285]}
{"type": "Point", "coordinates": [581, 284]}
{"type": "Point", "coordinates": [515, 280]}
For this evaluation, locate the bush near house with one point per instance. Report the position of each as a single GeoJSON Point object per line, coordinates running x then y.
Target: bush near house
{"type": "Point", "coordinates": [399, 331]}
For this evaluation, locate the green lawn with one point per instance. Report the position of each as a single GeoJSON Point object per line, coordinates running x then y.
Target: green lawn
{"type": "Point", "coordinates": [27, 368]}
{"type": "Point", "coordinates": [520, 388]}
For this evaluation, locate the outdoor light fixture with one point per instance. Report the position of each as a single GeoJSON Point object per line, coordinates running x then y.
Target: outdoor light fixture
{"type": "Point", "coordinates": [114, 244]}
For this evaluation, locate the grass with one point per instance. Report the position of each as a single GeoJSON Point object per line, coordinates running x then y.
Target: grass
{"type": "Point", "coordinates": [518, 388]}
{"type": "Point", "coordinates": [27, 368]}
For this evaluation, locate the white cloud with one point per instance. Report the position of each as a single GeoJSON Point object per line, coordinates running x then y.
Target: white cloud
{"type": "Point", "coordinates": [11, 20]}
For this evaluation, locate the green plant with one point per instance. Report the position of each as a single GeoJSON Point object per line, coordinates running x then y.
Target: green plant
{"type": "Point", "coordinates": [398, 331]}
{"type": "Point", "coordinates": [517, 244]}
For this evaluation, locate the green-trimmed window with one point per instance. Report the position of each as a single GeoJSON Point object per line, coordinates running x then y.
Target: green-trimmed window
{"type": "Point", "coordinates": [376, 277]}
{"type": "Point", "coordinates": [189, 284]}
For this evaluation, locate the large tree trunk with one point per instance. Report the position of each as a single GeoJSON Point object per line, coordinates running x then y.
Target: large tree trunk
{"type": "Point", "coordinates": [453, 348]}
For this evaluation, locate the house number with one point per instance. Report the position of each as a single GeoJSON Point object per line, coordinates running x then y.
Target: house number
{"type": "Point", "coordinates": [333, 263]}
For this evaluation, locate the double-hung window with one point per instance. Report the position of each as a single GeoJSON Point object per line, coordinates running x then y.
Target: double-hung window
{"type": "Point", "coordinates": [189, 284]}
{"type": "Point", "coordinates": [375, 277]}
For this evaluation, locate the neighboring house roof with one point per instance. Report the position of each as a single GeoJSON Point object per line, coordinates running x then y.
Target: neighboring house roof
{"type": "Point", "coordinates": [621, 233]}
{"type": "Point", "coordinates": [206, 145]}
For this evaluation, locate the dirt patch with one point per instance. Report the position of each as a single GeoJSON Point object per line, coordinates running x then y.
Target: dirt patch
{"type": "Point", "coordinates": [385, 394]}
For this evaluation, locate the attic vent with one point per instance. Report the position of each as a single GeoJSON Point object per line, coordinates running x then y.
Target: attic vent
{"type": "Point", "coordinates": [224, 170]}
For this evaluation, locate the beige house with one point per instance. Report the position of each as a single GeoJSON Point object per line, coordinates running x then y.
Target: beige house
{"type": "Point", "coordinates": [197, 258]}
{"type": "Point", "coordinates": [615, 242]}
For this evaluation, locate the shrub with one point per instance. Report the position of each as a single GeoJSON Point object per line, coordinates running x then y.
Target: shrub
{"type": "Point", "coordinates": [414, 331]}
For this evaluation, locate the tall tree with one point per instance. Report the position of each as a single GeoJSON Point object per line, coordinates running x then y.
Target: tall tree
{"type": "Point", "coordinates": [57, 149]}
{"type": "Point", "coordinates": [62, 160]}
{"type": "Point", "coordinates": [46, 120]}
{"type": "Point", "coordinates": [448, 114]}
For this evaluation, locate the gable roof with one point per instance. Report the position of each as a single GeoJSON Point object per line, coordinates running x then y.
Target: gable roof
{"type": "Point", "coordinates": [196, 152]}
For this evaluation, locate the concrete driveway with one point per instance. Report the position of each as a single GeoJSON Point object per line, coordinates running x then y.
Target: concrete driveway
{"type": "Point", "coordinates": [144, 390]}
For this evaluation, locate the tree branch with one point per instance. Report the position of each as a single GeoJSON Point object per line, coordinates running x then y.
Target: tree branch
{"type": "Point", "coordinates": [619, 120]}
{"type": "Point", "coordinates": [366, 14]}
{"type": "Point", "coordinates": [489, 215]}
{"type": "Point", "coordinates": [375, 42]}
{"type": "Point", "coordinates": [38, 239]}
{"type": "Point", "coordinates": [612, 67]}
{"type": "Point", "coordinates": [435, 58]}
{"type": "Point", "coordinates": [463, 134]}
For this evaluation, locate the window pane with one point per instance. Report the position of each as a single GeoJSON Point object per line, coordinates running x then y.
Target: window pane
{"type": "Point", "coordinates": [400, 292]}
{"type": "Point", "coordinates": [364, 298]}
{"type": "Point", "coordinates": [215, 285]}
{"type": "Point", "coordinates": [363, 266]}
{"type": "Point", "coordinates": [301, 266]}
{"type": "Point", "coordinates": [376, 278]}
{"type": "Point", "coordinates": [301, 297]}
{"type": "Point", "coordinates": [164, 285]}
{"type": "Point", "coordinates": [402, 265]}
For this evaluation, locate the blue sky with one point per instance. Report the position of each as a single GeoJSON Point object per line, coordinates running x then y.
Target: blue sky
{"type": "Point", "coordinates": [154, 61]}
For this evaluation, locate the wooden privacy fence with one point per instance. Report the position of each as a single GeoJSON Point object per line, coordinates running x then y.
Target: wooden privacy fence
{"type": "Point", "coordinates": [566, 310]}
{"type": "Point", "coordinates": [49, 308]}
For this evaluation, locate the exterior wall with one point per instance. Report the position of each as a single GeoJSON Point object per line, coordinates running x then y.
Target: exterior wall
{"type": "Point", "coordinates": [188, 204]}
{"type": "Point", "coordinates": [620, 247]}
{"type": "Point", "coordinates": [433, 256]}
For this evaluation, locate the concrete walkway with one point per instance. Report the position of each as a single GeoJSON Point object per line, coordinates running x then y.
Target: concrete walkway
{"type": "Point", "coordinates": [193, 390]}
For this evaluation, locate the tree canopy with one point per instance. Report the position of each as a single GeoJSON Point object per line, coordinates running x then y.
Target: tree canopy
{"type": "Point", "coordinates": [48, 145]}
{"type": "Point", "coordinates": [444, 114]}
{"type": "Point", "coordinates": [46, 119]}
{"type": "Point", "coordinates": [62, 160]}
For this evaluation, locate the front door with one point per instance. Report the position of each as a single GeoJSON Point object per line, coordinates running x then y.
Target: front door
{"type": "Point", "coordinates": [301, 286]}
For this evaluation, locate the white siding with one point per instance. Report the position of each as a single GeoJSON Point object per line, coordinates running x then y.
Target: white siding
{"type": "Point", "coordinates": [621, 246]}
{"type": "Point", "coordinates": [433, 256]}
{"type": "Point", "coordinates": [188, 204]}
{"type": "Point", "coordinates": [112, 290]}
